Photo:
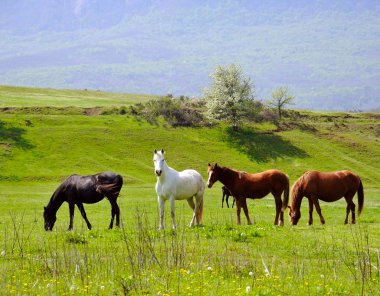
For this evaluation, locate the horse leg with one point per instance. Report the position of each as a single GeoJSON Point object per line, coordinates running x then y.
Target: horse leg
{"type": "Point", "coordinates": [245, 209]}
{"type": "Point", "coordinates": [233, 201]}
{"type": "Point", "coordinates": [227, 197]}
{"type": "Point", "coordinates": [161, 203]}
{"type": "Point", "coordinates": [222, 200]}
{"type": "Point", "coordinates": [71, 210]}
{"type": "Point", "coordinates": [83, 212]}
{"type": "Point", "coordinates": [172, 211]}
{"type": "Point", "coordinates": [279, 213]}
{"type": "Point", "coordinates": [191, 203]}
{"type": "Point", "coordinates": [238, 210]}
{"type": "Point", "coordinates": [350, 207]}
{"type": "Point", "coordinates": [198, 208]}
{"type": "Point", "coordinates": [115, 211]}
{"type": "Point", "coordinates": [311, 207]}
{"type": "Point", "coordinates": [318, 208]}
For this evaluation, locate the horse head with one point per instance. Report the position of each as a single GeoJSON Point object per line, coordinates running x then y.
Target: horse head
{"type": "Point", "coordinates": [213, 172]}
{"type": "Point", "coordinates": [158, 160]}
{"type": "Point", "coordinates": [49, 218]}
{"type": "Point", "coordinates": [294, 215]}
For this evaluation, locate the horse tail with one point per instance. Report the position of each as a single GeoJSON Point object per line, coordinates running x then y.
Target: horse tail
{"type": "Point", "coordinates": [111, 188]}
{"type": "Point", "coordinates": [286, 194]}
{"type": "Point", "coordinates": [360, 197]}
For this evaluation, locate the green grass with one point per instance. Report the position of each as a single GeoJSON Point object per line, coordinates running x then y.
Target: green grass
{"type": "Point", "coordinates": [40, 148]}
{"type": "Point", "coordinates": [41, 97]}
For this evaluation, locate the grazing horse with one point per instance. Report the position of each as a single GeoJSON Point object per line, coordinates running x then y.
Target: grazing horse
{"type": "Point", "coordinates": [172, 185]}
{"type": "Point", "coordinates": [226, 194]}
{"type": "Point", "coordinates": [243, 185]}
{"type": "Point", "coordinates": [77, 190]}
{"type": "Point", "coordinates": [328, 187]}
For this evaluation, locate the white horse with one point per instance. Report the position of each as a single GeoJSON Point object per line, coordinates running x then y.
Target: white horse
{"type": "Point", "coordinates": [172, 185]}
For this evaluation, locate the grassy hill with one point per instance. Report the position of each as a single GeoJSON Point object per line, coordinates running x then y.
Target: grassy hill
{"type": "Point", "coordinates": [46, 142]}
{"type": "Point", "coordinates": [42, 146]}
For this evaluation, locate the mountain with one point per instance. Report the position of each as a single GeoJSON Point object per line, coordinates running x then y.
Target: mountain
{"type": "Point", "coordinates": [326, 52]}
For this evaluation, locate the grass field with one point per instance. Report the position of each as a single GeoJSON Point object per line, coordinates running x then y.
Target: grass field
{"type": "Point", "coordinates": [41, 147]}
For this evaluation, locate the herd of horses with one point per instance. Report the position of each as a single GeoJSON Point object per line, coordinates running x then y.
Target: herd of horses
{"type": "Point", "coordinates": [189, 185]}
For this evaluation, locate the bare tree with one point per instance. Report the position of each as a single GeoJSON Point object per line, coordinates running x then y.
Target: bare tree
{"type": "Point", "coordinates": [281, 98]}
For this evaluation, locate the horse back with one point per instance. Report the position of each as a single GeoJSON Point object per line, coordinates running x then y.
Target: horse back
{"type": "Point", "coordinates": [182, 185]}
{"type": "Point", "coordinates": [261, 184]}
{"type": "Point", "coordinates": [330, 186]}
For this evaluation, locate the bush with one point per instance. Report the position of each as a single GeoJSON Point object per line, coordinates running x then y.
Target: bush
{"type": "Point", "coordinates": [177, 112]}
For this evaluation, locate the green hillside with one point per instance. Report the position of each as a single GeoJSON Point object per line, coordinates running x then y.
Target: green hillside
{"type": "Point", "coordinates": [42, 146]}
{"type": "Point", "coordinates": [47, 143]}
{"type": "Point", "coordinates": [42, 97]}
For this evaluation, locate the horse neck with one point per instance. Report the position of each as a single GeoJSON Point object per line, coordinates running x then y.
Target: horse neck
{"type": "Point", "coordinates": [228, 177]}
{"type": "Point", "coordinates": [296, 202]}
{"type": "Point", "coordinates": [297, 196]}
{"type": "Point", "coordinates": [167, 172]}
{"type": "Point", "coordinates": [55, 201]}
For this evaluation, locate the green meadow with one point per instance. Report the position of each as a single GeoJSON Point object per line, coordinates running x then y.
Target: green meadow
{"type": "Point", "coordinates": [47, 135]}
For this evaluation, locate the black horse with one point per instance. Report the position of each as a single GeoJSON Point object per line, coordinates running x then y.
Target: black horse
{"type": "Point", "coordinates": [227, 194]}
{"type": "Point", "coordinates": [77, 190]}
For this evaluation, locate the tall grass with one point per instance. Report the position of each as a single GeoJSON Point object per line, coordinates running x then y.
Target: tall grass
{"type": "Point", "coordinates": [211, 260]}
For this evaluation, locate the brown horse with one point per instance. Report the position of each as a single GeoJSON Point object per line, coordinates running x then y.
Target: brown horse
{"type": "Point", "coordinates": [327, 187]}
{"type": "Point", "coordinates": [243, 185]}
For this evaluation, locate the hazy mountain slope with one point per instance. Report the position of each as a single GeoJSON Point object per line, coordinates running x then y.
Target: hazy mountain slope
{"type": "Point", "coordinates": [326, 53]}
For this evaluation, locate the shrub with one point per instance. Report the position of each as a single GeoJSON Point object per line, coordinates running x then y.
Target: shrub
{"type": "Point", "coordinates": [177, 112]}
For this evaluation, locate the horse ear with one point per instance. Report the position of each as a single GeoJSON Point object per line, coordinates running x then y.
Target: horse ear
{"type": "Point", "coordinates": [162, 151]}
{"type": "Point", "coordinates": [209, 164]}
{"type": "Point", "coordinates": [155, 151]}
{"type": "Point", "coordinates": [216, 165]}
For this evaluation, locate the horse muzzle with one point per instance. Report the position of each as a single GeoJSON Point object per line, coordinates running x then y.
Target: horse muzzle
{"type": "Point", "coordinates": [209, 185]}
{"type": "Point", "coordinates": [48, 227]}
{"type": "Point", "coordinates": [158, 173]}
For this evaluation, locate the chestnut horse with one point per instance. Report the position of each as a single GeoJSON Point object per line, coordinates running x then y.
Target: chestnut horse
{"type": "Point", "coordinates": [243, 185]}
{"type": "Point", "coordinates": [328, 187]}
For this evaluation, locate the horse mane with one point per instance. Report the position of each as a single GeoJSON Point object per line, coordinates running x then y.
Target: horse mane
{"type": "Point", "coordinates": [54, 201]}
{"type": "Point", "coordinates": [239, 173]}
{"type": "Point", "coordinates": [296, 191]}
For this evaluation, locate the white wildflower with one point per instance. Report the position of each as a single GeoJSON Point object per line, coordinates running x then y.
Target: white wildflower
{"type": "Point", "coordinates": [247, 289]}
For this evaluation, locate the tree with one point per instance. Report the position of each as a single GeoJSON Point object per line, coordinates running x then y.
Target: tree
{"type": "Point", "coordinates": [280, 98]}
{"type": "Point", "coordinates": [230, 97]}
